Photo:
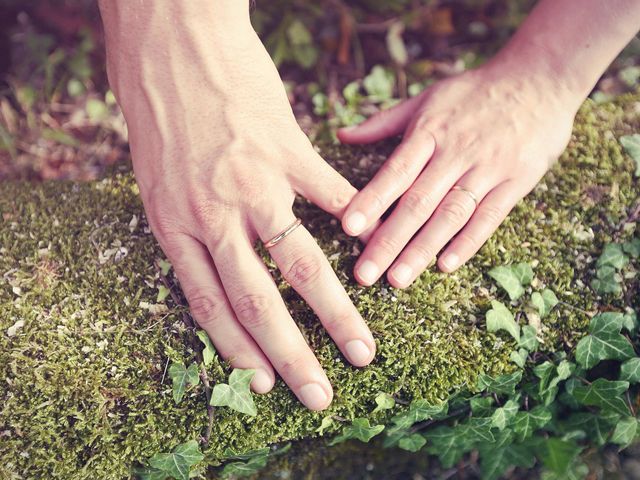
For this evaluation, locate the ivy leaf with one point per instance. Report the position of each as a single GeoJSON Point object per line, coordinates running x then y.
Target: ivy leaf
{"type": "Point", "coordinates": [630, 322]}
{"type": "Point", "coordinates": [163, 292]}
{"type": "Point", "coordinates": [608, 281]}
{"type": "Point", "coordinates": [447, 444]}
{"type": "Point", "coordinates": [236, 394]}
{"type": "Point", "coordinates": [384, 401]}
{"type": "Point", "coordinates": [612, 256]}
{"type": "Point", "coordinates": [164, 267]}
{"type": "Point", "coordinates": [512, 278]}
{"type": "Point", "coordinates": [412, 443]}
{"type": "Point", "coordinates": [501, 318]}
{"type": "Point", "coordinates": [230, 454]}
{"type": "Point", "coordinates": [149, 473]}
{"type": "Point", "coordinates": [529, 339]}
{"type": "Point", "coordinates": [245, 469]}
{"type": "Point", "coordinates": [503, 384]}
{"type": "Point", "coordinates": [494, 462]}
{"type": "Point", "coordinates": [544, 301]}
{"type": "Point", "coordinates": [503, 415]}
{"type": "Point", "coordinates": [526, 423]}
{"type": "Point", "coordinates": [630, 370]}
{"type": "Point", "coordinates": [632, 247]}
{"type": "Point", "coordinates": [419, 411]}
{"type": "Point", "coordinates": [182, 378]}
{"type": "Point", "coordinates": [523, 272]}
{"type": "Point", "coordinates": [477, 430]}
{"type": "Point", "coordinates": [326, 423]}
{"type": "Point", "coordinates": [631, 145]}
{"type": "Point", "coordinates": [625, 431]}
{"type": "Point", "coordinates": [603, 393]}
{"type": "Point", "coordinates": [481, 406]}
{"type": "Point", "coordinates": [519, 357]}
{"type": "Point", "coordinates": [208, 352]}
{"type": "Point", "coordinates": [178, 463]}
{"type": "Point", "coordinates": [595, 427]}
{"type": "Point", "coordinates": [360, 429]}
{"type": "Point", "coordinates": [607, 322]}
{"type": "Point", "coordinates": [558, 455]}
{"type": "Point", "coordinates": [605, 342]}
{"type": "Point", "coordinates": [550, 376]}
{"type": "Point", "coordinates": [379, 84]}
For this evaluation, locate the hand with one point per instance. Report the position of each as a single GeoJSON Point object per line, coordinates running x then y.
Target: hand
{"type": "Point", "coordinates": [218, 157]}
{"type": "Point", "coordinates": [473, 146]}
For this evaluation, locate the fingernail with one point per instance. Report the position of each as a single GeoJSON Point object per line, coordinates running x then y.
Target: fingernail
{"type": "Point", "coordinates": [358, 352]}
{"type": "Point", "coordinates": [402, 273]}
{"type": "Point", "coordinates": [356, 222]}
{"type": "Point", "coordinates": [450, 261]}
{"type": "Point", "coordinates": [313, 396]}
{"type": "Point", "coordinates": [262, 381]}
{"type": "Point", "coordinates": [368, 271]}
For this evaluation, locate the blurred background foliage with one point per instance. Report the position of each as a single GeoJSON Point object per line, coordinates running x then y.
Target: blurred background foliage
{"type": "Point", "coordinates": [340, 60]}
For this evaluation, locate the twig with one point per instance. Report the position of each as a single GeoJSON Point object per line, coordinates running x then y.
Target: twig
{"type": "Point", "coordinates": [164, 373]}
{"type": "Point", "coordinates": [574, 307]}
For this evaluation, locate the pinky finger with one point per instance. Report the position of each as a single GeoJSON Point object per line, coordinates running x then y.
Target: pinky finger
{"type": "Point", "coordinates": [486, 219]}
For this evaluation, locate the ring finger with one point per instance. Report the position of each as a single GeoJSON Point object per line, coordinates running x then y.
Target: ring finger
{"type": "Point", "coordinates": [449, 218]}
{"type": "Point", "coordinates": [306, 268]}
{"type": "Point", "coordinates": [262, 312]}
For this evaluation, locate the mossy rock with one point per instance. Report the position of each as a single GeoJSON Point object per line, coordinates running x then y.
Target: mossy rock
{"type": "Point", "coordinates": [83, 389]}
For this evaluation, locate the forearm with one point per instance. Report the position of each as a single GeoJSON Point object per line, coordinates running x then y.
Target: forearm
{"type": "Point", "coordinates": [572, 41]}
{"type": "Point", "coordinates": [184, 72]}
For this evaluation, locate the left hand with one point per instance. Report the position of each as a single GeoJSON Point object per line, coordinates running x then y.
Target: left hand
{"type": "Point", "coordinates": [473, 146]}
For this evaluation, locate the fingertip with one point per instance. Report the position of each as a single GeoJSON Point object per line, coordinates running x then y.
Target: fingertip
{"type": "Point", "coordinates": [315, 397]}
{"type": "Point", "coordinates": [354, 223]}
{"type": "Point", "coordinates": [359, 353]}
{"type": "Point", "coordinates": [345, 134]}
{"type": "Point", "coordinates": [400, 275]}
{"type": "Point", "coordinates": [449, 262]}
{"type": "Point", "coordinates": [263, 381]}
{"type": "Point", "coordinates": [366, 273]}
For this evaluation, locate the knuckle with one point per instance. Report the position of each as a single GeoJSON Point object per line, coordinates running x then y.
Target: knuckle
{"type": "Point", "coordinates": [338, 320]}
{"type": "Point", "coordinates": [423, 252]}
{"type": "Point", "coordinates": [341, 198]}
{"type": "Point", "coordinates": [291, 365]}
{"type": "Point", "coordinates": [386, 245]}
{"type": "Point", "coordinates": [468, 240]}
{"type": "Point", "coordinates": [374, 198]}
{"type": "Point", "coordinates": [418, 203]}
{"type": "Point", "coordinates": [454, 212]}
{"type": "Point", "coordinates": [304, 271]}
{"type": "Point", "coordinates": [252, 309]}
{"type": "Point", "coordinates": [400, 167]}
{"type": "Point", "coordinates": [207, 306]}
{"type": "Point", "coordinates": [492, 214]}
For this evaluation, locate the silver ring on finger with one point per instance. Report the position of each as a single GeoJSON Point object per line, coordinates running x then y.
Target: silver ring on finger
{"type": "Point", "coordinates": [273, 241]}
{"type": "Point", "coordinates": [469, 193]}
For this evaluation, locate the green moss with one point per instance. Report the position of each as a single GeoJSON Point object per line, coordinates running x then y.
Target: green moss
{"type": "Point", "coordinates": [83, 392]}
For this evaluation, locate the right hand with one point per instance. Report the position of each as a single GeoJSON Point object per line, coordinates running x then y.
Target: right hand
{"type": "Point", "coordinates": [219, 157]}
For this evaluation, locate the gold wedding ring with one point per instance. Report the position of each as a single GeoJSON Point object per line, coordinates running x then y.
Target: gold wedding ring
{"type": "Point", "coordinates": [283, 234]}
{"type": "Point", "coordinates": [468, 192]}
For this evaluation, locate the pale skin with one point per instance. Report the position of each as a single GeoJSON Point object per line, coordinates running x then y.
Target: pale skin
{"type": "Point", "coordinates": [219, 159]}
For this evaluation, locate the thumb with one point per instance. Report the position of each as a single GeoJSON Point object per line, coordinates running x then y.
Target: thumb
{"type": "Point", "coordinates": [384, 124]}
{"type": "Point", "coordinates": [322, 185]}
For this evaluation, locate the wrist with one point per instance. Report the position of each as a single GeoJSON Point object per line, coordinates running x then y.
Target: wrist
{"type": "Point", "coordinates": [534, 68]}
